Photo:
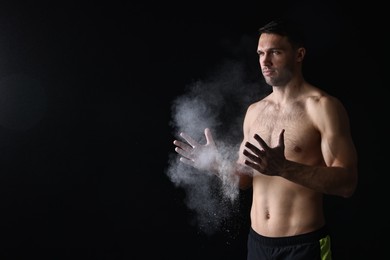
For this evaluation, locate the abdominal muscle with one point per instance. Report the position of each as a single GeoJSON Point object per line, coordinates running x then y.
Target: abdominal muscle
{"type": "Point", "coordinates": [281, 208]}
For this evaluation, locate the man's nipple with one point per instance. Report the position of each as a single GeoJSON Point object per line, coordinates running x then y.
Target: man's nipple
{"type": "Point", "coordinates": [297, 149]}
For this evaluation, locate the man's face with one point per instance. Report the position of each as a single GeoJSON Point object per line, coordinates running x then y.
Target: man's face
{"type": "Point", "coordinates": [276, 58]}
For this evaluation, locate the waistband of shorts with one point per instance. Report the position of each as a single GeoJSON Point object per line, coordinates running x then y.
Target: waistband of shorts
{"type": "Point", "coordinates": [313, 236]}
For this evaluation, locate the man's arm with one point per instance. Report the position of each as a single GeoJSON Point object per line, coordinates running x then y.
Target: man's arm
{"type": "Point", "coordinates": [341, 174]}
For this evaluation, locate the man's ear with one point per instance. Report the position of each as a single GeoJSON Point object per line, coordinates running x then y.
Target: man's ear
{"type": "Point", "coordinates": [301, 54]}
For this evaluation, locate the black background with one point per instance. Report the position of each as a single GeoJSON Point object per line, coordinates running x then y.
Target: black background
{"type": "Point", "coordinates": [87, 90]}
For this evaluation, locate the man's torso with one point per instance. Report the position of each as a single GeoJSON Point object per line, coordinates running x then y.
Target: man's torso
{"type": "Point", "coordinates": [281, 207]}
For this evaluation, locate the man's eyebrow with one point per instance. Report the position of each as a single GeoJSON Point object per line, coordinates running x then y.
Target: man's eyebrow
{"type": "Point", "coordinates": [270, 49]}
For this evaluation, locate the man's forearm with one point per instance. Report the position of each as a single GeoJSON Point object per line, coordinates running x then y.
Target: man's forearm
{"type": "Point", "coordinates": [328, 180]}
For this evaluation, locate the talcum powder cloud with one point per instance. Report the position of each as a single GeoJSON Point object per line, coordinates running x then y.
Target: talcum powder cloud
{"type": "Point", "coordinates": [220, 104]}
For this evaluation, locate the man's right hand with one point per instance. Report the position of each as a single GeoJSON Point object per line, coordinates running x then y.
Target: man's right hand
{"type": "Point", "coordinates": [203, 157]}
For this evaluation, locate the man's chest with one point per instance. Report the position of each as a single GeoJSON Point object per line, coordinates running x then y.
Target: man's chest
{"type": "Point", "coordinates": [300, 136]}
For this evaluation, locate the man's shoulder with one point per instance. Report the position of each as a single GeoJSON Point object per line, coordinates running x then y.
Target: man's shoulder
{"type": "Point", "coordinates": [317, 96]}
{"type": "Point", "coordinates": [322, 98]}
{"type": "Point", "coordinates": [259, 103]}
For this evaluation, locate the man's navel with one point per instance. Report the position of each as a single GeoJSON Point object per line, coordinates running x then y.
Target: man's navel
{"type": "Point", "coordinates": [267, 214]}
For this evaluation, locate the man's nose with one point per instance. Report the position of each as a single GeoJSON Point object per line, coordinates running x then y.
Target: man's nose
{"type": "Point", "coordinates": [265, 60]}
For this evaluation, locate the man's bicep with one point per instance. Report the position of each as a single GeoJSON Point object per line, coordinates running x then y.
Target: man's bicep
{"type": "Point", "coordinates": [339, 151]}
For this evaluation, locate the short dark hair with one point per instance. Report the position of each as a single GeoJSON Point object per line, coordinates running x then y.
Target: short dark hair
{"type": "Point", "coordinates": [291, 29]}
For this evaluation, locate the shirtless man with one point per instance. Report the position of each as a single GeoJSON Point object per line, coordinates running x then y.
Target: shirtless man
{"type": "Point", "coordinates": [297, 147]}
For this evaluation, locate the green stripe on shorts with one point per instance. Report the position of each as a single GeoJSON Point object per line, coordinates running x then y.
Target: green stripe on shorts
{"type": "Point", "coordinates": [326, 253]}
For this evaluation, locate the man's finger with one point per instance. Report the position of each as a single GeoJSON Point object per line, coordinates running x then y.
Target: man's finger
{"type": "Point", "coordinates": [189, 139]}
{"type": "Point", "coordinates": [281, 138]}
{"type": "Point", "coordinates": [251, 155]}
{"type": "Point", "coordinates": [262, 143]}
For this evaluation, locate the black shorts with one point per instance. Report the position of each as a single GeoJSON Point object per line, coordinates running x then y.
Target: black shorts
{"type": "Point", "coordinates": [310, 246]}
